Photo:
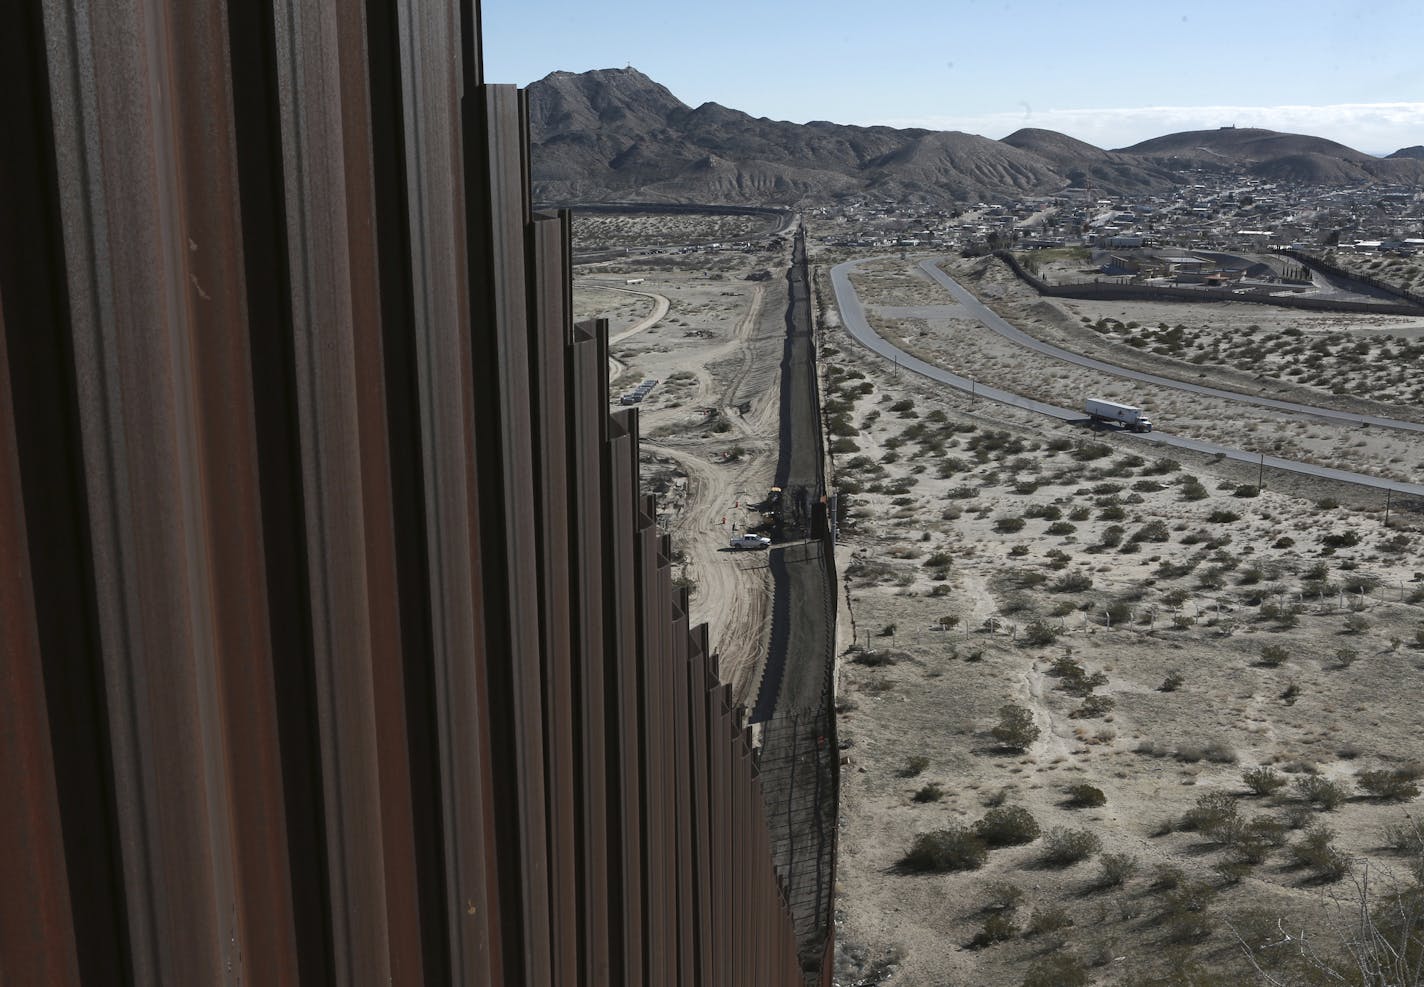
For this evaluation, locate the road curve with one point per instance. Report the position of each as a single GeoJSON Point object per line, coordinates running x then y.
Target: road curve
{"type": "Point", "coordinates": [661, 304]}
{"type": "Point", "coordinates": [853, 315]}
{"type": "Point", "coordinates": [995, 322]}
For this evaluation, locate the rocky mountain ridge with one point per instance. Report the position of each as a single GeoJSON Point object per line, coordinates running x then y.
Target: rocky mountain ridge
{"type": "Point", "coordinates": [617, 135]}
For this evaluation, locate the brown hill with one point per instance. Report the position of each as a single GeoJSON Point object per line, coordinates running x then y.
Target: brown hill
{"type": "Point", "coordinates": [1273, 155]}
{"type": "Point", "coordinates": [1082, 163]}
{"type": "Point", "coordinates": [616, 135]}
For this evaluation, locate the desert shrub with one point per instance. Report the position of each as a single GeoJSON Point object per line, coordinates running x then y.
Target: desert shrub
{"type": "Point", "coordinates": [1093, 707]}
{"type": "Point", "coordinates": [1233, 871]}
{"type": "Point", "coordinates": [1008, 525]}
{"type": "Point", "coordinates": [1153, 531]}
{"type": "Point", "coordinates": [999, 927]}
{"type": "Point", "coordinates": [1214, 816]}
{"type": "Point", "coordinates": [1116, 869]}
{"type": "Point", "coordinates": [1246, 490]}
{"type": "Point", "coordinates": [1175, 570]}
{"type": "Point", "coordinates": [914, 764]}
{"type": "Point", "coordinates": [932, 792]}
{"type": "Point", "coordinates": [1074, 678]}
{"type": "Point", "coordinates": [1212, 578]}
{"type": "Point", "coordinates": [1040, 633]}
{"type": "Point", "coordinates": [1192, 489]}
{"type": "Point", "coordinates": [1319, 791]}
{"type": "Point", "coordinates": [1002, 896]}
{"type": "Point", "coordinates": [1118, 612]}
{"type": "Point", "coordinates": [1283, 616]}
{"type": "Point", "coordinates": [1172, 682]}
{"type": "Point", "coordinates": [1344, 539]}
{"type": "Point", "coordinates": [1089, 451]}
{"type": "Point", "coordinates": [1048, 918]}
{"type": "Point", "coordinates": [1274, 655]}
{"type": "Point", "coordinates": [1222, 517]}
{"type": "Point", "coordinates": [1251, 847]}
{"type": "Point", "coordinates": [1185, 911]}
{"type": "Point", "coordinates": [1316, 850]}
{"type": "Point", "coordinates": [1085, 796]}
{"type": "Point", "coordinates": [1394, 786]}
{"type": "Point", "coordinates": [1072, 582]}
{"type": "Point", "coordinates": [1356, 623]}
{"type": "Point", "coordinates": [1360, 582]}
{"type": "Point", "coordinates": [1405, 837]}
{"type": "Point", "coordinates": [944, 850]}
{"type": "Point", "coordinates": [1062, 528]}
{"type": "Point", "coordinates": [1015, 729]}
{"type": "Point", "coordinates": [874, 659]}
{"type": "Point", "coordinates": [1057, 971]}
{"type": "Point", "coordinates": [937, 560]}
{"type": "Point", "coordinates": [1009, 825]}
{"type": "Point", "coordinates": [1218, 752]}
{"type": "Point", "coordinates": [1166, 877]}
{"type": "Point", "coordinates": [1263, 780]}
{"type": "Point", "coordinates": [1063, 847]}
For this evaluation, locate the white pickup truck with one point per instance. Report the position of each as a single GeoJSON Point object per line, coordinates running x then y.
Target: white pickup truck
{"type": "Point", "coordinates": [750, 540]}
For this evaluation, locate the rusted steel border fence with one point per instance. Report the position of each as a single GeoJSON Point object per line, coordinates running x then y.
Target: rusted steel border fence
{"type": "Point", "coordinates": [340, 645]}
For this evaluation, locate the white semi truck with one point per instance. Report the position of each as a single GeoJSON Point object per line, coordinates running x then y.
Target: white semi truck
{"type": "Point", "coordinates": [1124, 414]}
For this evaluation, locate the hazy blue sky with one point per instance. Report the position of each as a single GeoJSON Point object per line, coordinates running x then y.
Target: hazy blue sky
{"type": "Point", "coordinates": [1109, 73]}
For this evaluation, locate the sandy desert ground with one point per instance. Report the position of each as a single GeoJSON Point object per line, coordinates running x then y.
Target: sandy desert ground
{"type": "Point", "coordinates": [1163, 626]}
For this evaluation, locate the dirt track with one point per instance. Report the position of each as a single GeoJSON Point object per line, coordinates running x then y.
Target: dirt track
{"type": "Point", "coordinates": [712, 422]}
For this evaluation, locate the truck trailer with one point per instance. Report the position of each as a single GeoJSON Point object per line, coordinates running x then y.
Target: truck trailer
{"type": "Point", "coordinates": [1125, 415]}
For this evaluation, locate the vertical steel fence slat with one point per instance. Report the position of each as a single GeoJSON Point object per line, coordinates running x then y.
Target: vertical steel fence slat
{"type": "Point", "coordinates": [345, 647]}
{"type": "Point", "coordinates": [547, 340]}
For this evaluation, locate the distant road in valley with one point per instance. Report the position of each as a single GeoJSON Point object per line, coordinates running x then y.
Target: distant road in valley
{"type": "Point", "coordinates": [853, 314]}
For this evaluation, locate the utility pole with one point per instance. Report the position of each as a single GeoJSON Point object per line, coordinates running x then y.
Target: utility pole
{"type": "Point", "coordinates": [1261, 474]}
{"type": "Point", "coordinates": [1388, 495]}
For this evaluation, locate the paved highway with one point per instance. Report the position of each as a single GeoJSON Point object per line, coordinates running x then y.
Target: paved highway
{"type": "Point", "coordinates": [853, 314]}
{"type": "Point", "coordinates": [995, 322]}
